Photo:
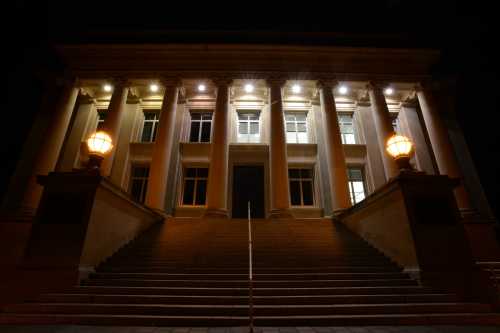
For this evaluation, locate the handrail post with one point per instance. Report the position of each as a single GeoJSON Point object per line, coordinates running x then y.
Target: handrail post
{"type": "Point", "coordinates": [250, 271]}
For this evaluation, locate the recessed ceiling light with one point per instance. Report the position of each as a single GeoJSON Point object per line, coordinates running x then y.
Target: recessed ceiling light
{"type": "Point", "coordinates": [107, 87]}
{"type": "Point", "coordinates": [343, 90]}
{"type": "Point", "coordinates": [154, 87]}
{"type": "Point", "coordinates": [296, 89]}
{"type": "Point", "coordinates": [248, 88]}
{"type": "Point", "coordinates": [389, 91]}
{"type": "Point", "coordinates": [202, 88]}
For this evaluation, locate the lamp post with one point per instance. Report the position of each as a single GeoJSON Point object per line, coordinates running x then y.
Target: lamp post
{"type": "Point", "coordinates": [99, 145]}
{"type": "Point", "coordinates": [401, 149]}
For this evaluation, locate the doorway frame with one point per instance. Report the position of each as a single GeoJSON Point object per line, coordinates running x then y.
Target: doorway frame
{"type": "Point", "coordinates": [258, 156]}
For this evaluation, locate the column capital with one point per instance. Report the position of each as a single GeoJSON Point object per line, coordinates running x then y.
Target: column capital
{"type": "Point", "coordinates": [68, 79]}
{"type": "Point", "coordinates": [222, 81]}
{"type": "Point", "coordinates": [376, 85]}
{"type": "Point", "coordinates": [120, 81]}
{"type": "Point", "coordinates": [325, 83]}
{"type": "Point", "coordinates": [276, 81]}
{"type": "Point", "coordinates": [171, 81]}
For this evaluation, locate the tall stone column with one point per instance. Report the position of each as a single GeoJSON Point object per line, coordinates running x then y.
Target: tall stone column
{"type": "Point", "coordinates": [162, 151]}
{"type": "Point", "coordinates": [337, 168]}
{"type": "Point", "coordinates": [52, 143]}
{"type": "Point", "coordinates": [280, 191]}
{"type": "Point", "coordinates": [383, 126]}
{"type": "Point", "coordinates": [217, 175]}
{"type": "Point", "coordinates": [114, 118]}
{"type": "Point", "coordinates": [441, 145]}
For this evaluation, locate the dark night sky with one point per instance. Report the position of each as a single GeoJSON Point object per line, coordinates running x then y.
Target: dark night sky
{"type": "Point", "coordinates": [465, 33]}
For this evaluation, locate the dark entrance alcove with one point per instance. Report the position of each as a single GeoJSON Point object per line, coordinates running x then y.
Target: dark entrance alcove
{"type": "Point", "coordinates": [248, 185]}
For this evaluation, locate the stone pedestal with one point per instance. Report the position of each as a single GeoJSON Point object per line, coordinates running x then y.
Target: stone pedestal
{"type": "Point", "coordinates": [441, 144]}
{"type": "Point", "coordinates": [59, 229]}
{"type": "Point", "coordinates": [414, 220]}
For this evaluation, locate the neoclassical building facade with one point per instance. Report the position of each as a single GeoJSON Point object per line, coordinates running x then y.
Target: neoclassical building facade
{"type": "Point", "coordinates": [298, 131]}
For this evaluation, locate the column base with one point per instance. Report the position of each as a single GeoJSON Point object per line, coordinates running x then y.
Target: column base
{"type": "Point", "coordinates": [220, 213]}
{"type": "Point", "coordinates": [280, 214]}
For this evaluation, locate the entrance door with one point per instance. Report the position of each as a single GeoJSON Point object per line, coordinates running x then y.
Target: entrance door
{"type": "Point", "coordinates": [248, 185]}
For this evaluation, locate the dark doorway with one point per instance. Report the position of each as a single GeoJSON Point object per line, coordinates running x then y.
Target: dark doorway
{"type": "Point", "coordinates": [248, 185]}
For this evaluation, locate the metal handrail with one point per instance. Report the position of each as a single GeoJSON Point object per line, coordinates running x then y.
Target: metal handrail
{"type": "Point", "coordinates": [250, 271]}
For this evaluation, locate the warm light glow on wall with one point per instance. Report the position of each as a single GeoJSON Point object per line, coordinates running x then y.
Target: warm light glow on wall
{"type": "Point", "coordinates": [389, 91]}
{"type": "Point", "coordinates": [249, 88]}
{"type": "Point", "coordinates": [202, 88]}
{"type": "Point", "coordinates": [296, 89]}
{"type": "Point", "coordinates": [99, 143]}
{"type": "Point", "coordinates": [154, 87]}
{"type": "Point", "coordinates": [107, 88]}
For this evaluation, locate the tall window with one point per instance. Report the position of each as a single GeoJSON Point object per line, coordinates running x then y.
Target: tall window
{"type": "Point", "coordinates": [101, 116]}
{"type": "Point", "coordinates": [248, 127]}
{"type": "Point", "coordinates": [296, 127]}
{"type": "Point", "coordinates": [301, 187]}
{"type": "Point", "coordinates": [347, 129]}
{"type": "Point", "coordinates": [150, 126]}
{"type": "Point", "coordinates": [139, 182]}
{"type": "Point", "coordinates": [356, 184]}
{"type": "Point", "coordinates": [194, 190]}
{"type": "Point", "coordinates": [201, 126]}
{"type": "Point", "coordinates": [395, 124]}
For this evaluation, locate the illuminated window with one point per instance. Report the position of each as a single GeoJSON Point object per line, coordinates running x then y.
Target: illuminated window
{"type": "Point", "coordinates": [150, 126]}
{"type": "Point", "coordinates": [194, 189]}
{"type": "Point", "coordinates": [248, 126]}
{"type": "Point", "coordinates": [101, 116]}
{"type": "Point", "coordinates": [296, 127]}
{"type": "Point", "coordinates": [356, 184]}
{"type": "Point", "coordinates": [347, 129]}
{"type": "Point", "coordinates": [201, 127]}
{"type": "Point", "coordinates": [139, 182]}
{"type": "Point", "coordinates": [395, 124]}
{"type": "Point", "coordinates": [301, 187]}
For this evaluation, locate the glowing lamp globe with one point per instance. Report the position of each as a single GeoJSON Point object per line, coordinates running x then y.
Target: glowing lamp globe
{"type": "Point", "coordinates": [400, 148]}
{"type": "Point", "coordinates": [99, 145]}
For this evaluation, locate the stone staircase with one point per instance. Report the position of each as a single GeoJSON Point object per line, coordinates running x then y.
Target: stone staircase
{"type": "Point", "coordinates": [194, 272]}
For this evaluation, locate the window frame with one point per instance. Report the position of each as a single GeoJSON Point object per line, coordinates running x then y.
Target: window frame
{"type": "Point", "coordinates": [295, 122]}
{"type": "Point", "coordinates": [100, 119]}
{"type": "Point", "coordinates": [343, 135]}
{"type": "Point", "coordinates": [155, 125]}
{"type": "Point", "coordinates": [301, 180]}
{"type": "Point", "coordinates": [395, 122]}
{"type": "Point", "coordinates": [248, 122]}
{"type": "Point", "coordinates": [196, 179]}
{"type": "Point", "coordinates": [352, 193]}
{"type": "Point", "coordinates": [200, 121]}
{"type": "Point", "coordinates": [144, 181]}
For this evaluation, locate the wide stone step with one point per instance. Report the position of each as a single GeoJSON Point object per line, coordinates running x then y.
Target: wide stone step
{"type": "Point", "coordinates": [242, 300]}
{"type": "Point", "coordinates": [259, 276]}
{"type": "Point", "coordinates": [244, 283]}
{"type": "Point", "coordinates": [282, 321]}
{"type": "Point", "coordinates": [244, 291]}
{"type": "Point", "coordinates": [242, 310]}
{"type": "Point", "coordinates": [244, 269]}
